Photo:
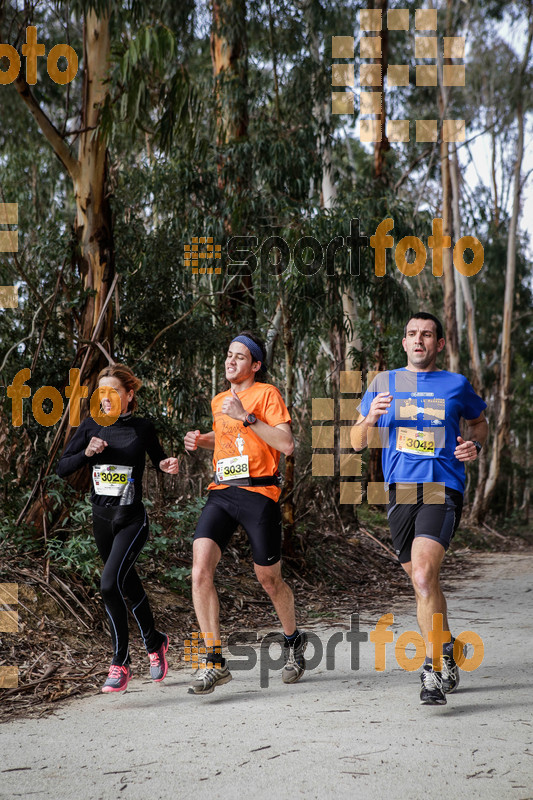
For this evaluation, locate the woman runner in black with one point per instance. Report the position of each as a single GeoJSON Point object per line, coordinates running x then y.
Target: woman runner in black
{"type": "Point", "coordinates": [116, 455]}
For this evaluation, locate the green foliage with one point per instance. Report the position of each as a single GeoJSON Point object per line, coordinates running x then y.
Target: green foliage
{"type": "Point", "coordinates": [177, 578]}
{"type": "Point", "coordinates": [170, 537]}
{"type": "Point", "coordinates": [73, 549]}
{"type": "Point", "coordinates": [174, 176]}
{"type": "Point", "coordinates": [18, 538]}
{"type": "Point", "coordinates": [77, 555]}
{"type": "Point", "coordinates": [186, 518]}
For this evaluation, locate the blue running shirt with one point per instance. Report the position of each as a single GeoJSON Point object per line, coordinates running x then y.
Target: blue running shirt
{"type": "Point", "coordinates": [422, 425]}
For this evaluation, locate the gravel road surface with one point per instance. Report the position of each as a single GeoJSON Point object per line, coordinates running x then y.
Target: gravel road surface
{"type": "Point", "coordinates": [341, 732]}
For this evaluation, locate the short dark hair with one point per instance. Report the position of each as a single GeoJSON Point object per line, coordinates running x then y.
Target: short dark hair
{"type": "Point", "coordinates": [426, 315]}
{"type": "Point", "coordinates": [261, 374]}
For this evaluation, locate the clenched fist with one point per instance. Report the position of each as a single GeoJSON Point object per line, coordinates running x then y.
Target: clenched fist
{"type": "Point", "coordinates": [191, 440]}
{"type": "Point", "coordinates": [95, 446]}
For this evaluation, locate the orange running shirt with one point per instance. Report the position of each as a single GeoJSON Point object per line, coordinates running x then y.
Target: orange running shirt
{"type": "Point", "coordinates": [266, 402]}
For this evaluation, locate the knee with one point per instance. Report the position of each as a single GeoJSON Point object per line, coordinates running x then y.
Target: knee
{"type": "Point", "coordinates": [108, 587]}
{"type": "Point", "coordinates": [270, 583]}
{"type": "Point", "coordinates": [425, 580]}
{"type": "Point", "coordinates": [202, 576]}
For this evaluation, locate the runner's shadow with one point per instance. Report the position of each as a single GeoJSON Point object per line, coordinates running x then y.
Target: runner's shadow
{"type": "Point", "coordinates": [218, 699]}
{"type": "Point", "coordinates": [482, 708]}
{"type": "Point", "coordinates": [492, 687]}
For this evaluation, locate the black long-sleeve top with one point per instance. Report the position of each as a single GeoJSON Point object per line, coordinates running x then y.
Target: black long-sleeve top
{"type": "Point", "coordinates": [128, 439]}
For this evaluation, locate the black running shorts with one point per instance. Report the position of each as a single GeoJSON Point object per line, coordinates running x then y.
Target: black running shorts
{"type": "Point", "coordinates": [259, 516]}
{"type": "Point", "coordinates": [433, 521]}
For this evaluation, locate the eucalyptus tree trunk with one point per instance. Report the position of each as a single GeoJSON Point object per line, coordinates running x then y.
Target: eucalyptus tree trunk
{"type": "Point", "coordinates": [450, 318]}
{"type": "Point", "coordinates": [382, 146]}
{"type": "Point", "coordinates": [230, 68]}
{"type": "Point", "coordinates": [473, 348]}
{"type": "Point", "coordinates": [345, 341]}
{"type": "Point", "coordinates": [229, 57]}
{"type": "Point", "coordinates": [94, 256]}
{"type": "Point", "coordinates": [501, 434]}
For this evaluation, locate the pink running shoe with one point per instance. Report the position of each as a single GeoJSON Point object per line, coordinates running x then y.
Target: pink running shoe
{"type": "Point", "coordinates": [118, 678]}
{"type": "Point", "coordinates": [158, 662]}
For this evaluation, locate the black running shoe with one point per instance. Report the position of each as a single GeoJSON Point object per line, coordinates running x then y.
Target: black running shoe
{"type": "Point", "coordinates": [450, 675]}
{"type": "Point", "coordinates": [294, 659]}
{"type": "Point", "coordinates": [431, 693]}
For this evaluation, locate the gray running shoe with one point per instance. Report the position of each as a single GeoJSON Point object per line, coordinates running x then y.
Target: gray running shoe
{"type": "Point", "coordinates": [206, 679]}
{"type": "Point", "coordinates": [294, 659]}
{"type": "Point", "coordinates": [118, 678]}
{"type": "Point", "coordinates": [158, 662]}
{"type": "Point", "coordinates": [431, 693]}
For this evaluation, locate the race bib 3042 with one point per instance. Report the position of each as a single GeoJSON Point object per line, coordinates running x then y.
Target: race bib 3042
{"type": "Point", "coordinates": [419, 443]}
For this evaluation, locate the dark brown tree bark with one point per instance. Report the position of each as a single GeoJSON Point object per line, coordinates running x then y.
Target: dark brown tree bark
{"type": "Point", "coordinates": [287, 505]}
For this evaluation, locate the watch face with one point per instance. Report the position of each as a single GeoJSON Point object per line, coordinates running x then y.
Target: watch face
{"type": "Point", "coordinates": [251, 418]}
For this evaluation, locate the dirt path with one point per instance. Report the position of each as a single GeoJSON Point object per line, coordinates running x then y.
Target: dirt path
{"type": "Point", "coordinates": [341, 732]}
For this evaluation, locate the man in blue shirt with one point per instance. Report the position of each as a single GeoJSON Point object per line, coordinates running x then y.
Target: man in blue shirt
{"type": "Point", "coordinates": [416, 411]}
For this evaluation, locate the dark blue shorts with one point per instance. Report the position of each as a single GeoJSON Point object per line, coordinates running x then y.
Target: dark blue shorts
{"type": "Point", "coordinates": [259, 516]}
{"type": "Point", "coordinates": [437, 521]}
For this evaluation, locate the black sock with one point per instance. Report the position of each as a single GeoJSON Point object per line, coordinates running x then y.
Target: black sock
{"type": "Point", "coordinates": [292, 638]}
{"type": "Point", "coordinates": [214, 657]}
{"type": "Point", "coordinates": [447, 648]}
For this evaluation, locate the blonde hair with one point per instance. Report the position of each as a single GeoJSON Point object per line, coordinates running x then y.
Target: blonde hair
{"type": "Point", "coordinates": [125, 375]}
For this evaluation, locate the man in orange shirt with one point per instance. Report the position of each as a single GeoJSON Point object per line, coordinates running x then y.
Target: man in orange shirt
{"type": "Point", "coordinates": [251, 428]}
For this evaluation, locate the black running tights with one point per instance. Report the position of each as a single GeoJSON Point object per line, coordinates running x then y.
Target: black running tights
{"type": "Point", "coordinates": [121, 533]}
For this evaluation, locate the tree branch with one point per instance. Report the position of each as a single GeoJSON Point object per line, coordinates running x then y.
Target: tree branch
{"type": "Point", "coordinates": [48, 128]}
{"type": "Point", "coordinates": [167, 328]}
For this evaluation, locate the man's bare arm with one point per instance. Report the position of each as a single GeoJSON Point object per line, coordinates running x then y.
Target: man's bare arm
{"type": "Point", "coordinates": [359, 433]}
{"type": "Point", "coordinates": [277, 436]}
{"type": "Point", "coordinates": [194, 439]}
{"type": "Point", "coordinates": [477, 430]}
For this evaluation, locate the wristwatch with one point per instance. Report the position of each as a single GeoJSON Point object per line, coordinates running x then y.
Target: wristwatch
{"type": "Point", "coordinates": [250, 419]}
{"type": "Point", "coordinates": [477, 444]}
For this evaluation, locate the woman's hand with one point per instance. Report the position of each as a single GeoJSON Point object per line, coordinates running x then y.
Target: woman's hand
{"type": "Point", "coordinates": [170, 465]}
{"type": "Point", "coordinates": [95, 446]}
